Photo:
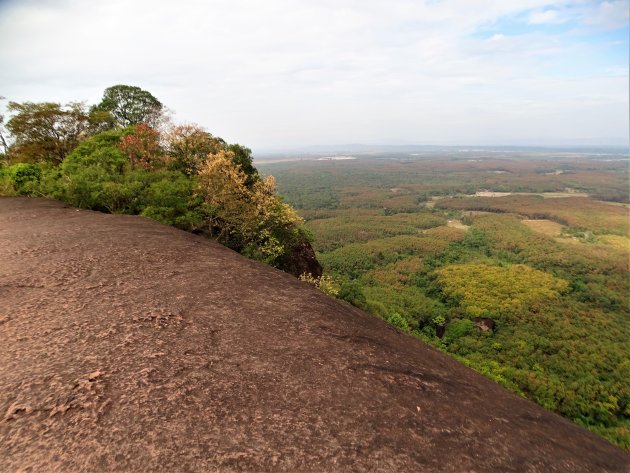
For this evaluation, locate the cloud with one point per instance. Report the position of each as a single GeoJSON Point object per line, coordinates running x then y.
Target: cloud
{"type": "Point", "coordinates": [290, 72]}
{"type": "Point", "coordinates": [609, 15]}
{"type": "Point", "coordinates": [543, 17]}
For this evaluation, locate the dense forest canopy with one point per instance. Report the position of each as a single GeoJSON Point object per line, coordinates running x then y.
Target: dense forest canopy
{"type": "Point", "coordinates": [123, 155]}
{"type": "Point", "coordinates": [512, 264]}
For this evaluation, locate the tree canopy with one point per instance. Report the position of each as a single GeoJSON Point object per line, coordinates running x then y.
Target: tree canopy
{"type": "Point", "coordinates": [485, 290]}
{"type": "Point", "coordinates": [46, 132]}
{"type": "Point", "coordinates": [130, 105]}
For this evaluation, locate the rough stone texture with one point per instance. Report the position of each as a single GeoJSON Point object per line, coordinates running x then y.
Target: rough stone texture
{"type": "Point", "coordinates": [302, 260]}
{"type": "Point", "coordinates": [126, 345]}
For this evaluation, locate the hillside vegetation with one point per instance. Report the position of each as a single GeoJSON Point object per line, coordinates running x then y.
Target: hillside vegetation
{"type": "Point", "coordinates": [124, 156]}
{"type": "Point", "coordinates": [544, 313]}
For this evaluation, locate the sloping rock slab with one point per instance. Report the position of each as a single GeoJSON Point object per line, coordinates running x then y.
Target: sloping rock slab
{"type": "Point", "coordinates": [126, 345]}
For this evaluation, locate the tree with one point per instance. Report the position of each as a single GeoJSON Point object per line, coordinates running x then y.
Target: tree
{"type": "Point", "coordinates": [243, 158]}
{"type": "Point", "coordinates": [100, 121]}
{"type": "Point", "coordinates": [352, 292]}
{"type": "Point", "coordinates": [253, 220]}
{"type": "Point", "coordinates": [46, 132]}
{"type": "Point", "coordinates": [485, 290]}
{"type": "Point", "coordinates": [3, 140]}
{"type": "Point", "coordinates": [130, 105]}
{"type": "Point", "coordinates": [141, 145]}
{"type": "Point", "coordinates": [189, 145]}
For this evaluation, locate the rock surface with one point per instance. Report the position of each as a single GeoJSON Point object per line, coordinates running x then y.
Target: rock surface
{"type": "Point", "coordinates": [126, 345]}
{"type": "Point", "coordinates": [302, 260]}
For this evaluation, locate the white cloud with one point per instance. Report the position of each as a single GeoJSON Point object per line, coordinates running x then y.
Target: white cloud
{"type": "Point", "coordinates": [609, 15]}
{"type": "Point", "coordinates": [542, 17]}
{"type": "Point", "coordinates": [291, 72]}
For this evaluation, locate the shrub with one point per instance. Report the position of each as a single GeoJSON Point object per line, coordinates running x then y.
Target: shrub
{"type": "Point", "coordinates": [326, 284]}
{"type": "Point", "coordinates": [101, 150]}
{"type": "Point", "coordinates": [399, 321]}
{"type": "Point", "coordinates": [24, 178]}
{"type": "Point", "coordinates": [351, 292]}
{"type": "Point", "coordinates": [458, 328]}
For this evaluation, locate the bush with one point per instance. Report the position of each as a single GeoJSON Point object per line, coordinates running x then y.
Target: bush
{"type": "Point", "coordinates": [6, 184]}
{"type": "Point", "coordinates": [458, 328]}
{"type": "Point", "coordinates": [102, 150]}
{"type": "Point", "coordinates": [351, 292]}
{"type": "Point", "coordinates": [399, 321]}
{"type": "Point", "coordinates": [24, 178]}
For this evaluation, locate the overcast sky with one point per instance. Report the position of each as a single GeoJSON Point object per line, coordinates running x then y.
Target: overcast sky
{"type": "Point", "coordinates": [278, 74]}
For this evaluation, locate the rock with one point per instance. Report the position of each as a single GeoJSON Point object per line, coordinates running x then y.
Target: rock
{"type": "Point", "coordinates": [128, 345]}
{"type": "Point", "coordinates": [485, 324]}
{"type": "Point", "coordinates": [301, 259]}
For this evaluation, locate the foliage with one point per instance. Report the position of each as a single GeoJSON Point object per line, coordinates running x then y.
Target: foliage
{"type": "Point", "coordinates": [558, 300]}
{"type": "Point", "coordinates": [242, 157]}
{"type": "Point", "coordinates": [484, 290]}
{"type": "Point", "coordinates": [115, 159]}
{"type": "Point", "coordinates": [399, 321]}
{"type": "Point", "coordinates": [579, 212]}
{"type": "Point", "coordinates": [189, 145]}
{"type": "Point", "coordinates": [253, 220]}
{"type": "Point", "coordinates": [458, 329]}
{"type": "Point", "coordinates": [101, 150]}
{"type": "Point", "coordinates": [45, 132]}
{"type": "Point", "coordinates": [355, 259]}
{"type": "Point", "coordinates": [141, 145]}
{"type": "Point", "coordinates": [351, 292]}
{"type": "Point", "coordinates": [23, 178]}
{"type": "Point", "coordinates": [130, 105]}
{"type": "Point", "coordinates": [345, 228]}
{"type": "Point", "coordinates": [326, 284]}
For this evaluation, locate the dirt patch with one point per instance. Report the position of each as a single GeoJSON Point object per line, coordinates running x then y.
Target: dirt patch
{"type": "Point", "coordinates": [559, 195]}
{"type": "Point", "coordinates": [457, 224]}
{"type": "Point", "coordinates": [546, 227]}
{"type": "Point", "coordinates": [127, 346]}
{"type": "Point", "coordinates": [491, 194]}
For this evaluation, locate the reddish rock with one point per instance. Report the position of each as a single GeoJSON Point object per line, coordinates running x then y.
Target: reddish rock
{"type": "Point", "coordinates": [129, 346]}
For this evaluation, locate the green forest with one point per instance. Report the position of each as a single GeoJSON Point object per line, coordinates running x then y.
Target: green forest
{"type": "Point", "coordinates": [123, 155]}
{"type": "Point", "coordinates": [517, 265]}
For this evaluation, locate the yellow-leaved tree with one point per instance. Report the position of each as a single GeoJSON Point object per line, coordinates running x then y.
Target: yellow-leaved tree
{"type": "Point", "coordinates": [498, 291]}
{"type": "Point", "coordinates": [250, 219]}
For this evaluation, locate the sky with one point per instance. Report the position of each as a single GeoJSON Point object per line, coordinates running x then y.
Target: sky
{"type": "Point", "coordinates": [281, 74]}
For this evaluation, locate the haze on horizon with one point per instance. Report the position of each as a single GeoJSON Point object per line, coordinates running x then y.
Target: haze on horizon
{"type": "Point", "coordinates": [288, 73]}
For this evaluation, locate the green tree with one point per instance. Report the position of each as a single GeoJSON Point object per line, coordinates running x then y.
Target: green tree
{"type": "Point", "coordinates": [46, 132]}
{"type": "Point", "coordinates": [100, 120]}
{"type": "Point", "coordinates": [130, 105]}
{"type": "Point", "coordinates": [352, 292]}
{"type": "Point", "coordinates": [399, 321]}
{"type": "Point", "coordinates": [243, 158]}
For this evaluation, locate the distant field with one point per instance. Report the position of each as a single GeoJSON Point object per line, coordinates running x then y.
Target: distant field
{"type": "Point", "coordinates": [546, 227]}
{"type": "Point", "coordinates": [578, 212]}
{"type": "Point", "coordinates": [335, 231]}
{"type": "Point", "coordinates": [368, 181]}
